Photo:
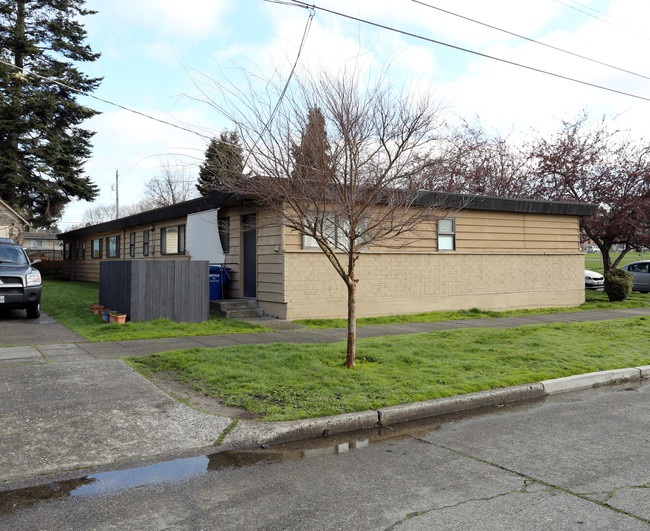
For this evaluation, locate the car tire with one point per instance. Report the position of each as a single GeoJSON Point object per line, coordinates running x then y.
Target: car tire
{"type": "Point", "coordinates": [34, 311]}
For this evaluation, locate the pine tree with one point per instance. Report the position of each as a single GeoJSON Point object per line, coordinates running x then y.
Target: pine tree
{"type": "Point", "coordinates": [223, 163]}
{"type": "Point", "coordinates": [42, 144]}
{"type": "Point", "coordinates": [311, 157]}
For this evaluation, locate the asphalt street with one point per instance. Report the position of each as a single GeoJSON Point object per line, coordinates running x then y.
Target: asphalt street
{"type": "Point", "coordinates": [577, 460]}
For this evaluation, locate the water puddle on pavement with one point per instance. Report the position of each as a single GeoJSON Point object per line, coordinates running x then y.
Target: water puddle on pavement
{"type": "Point", "coordinates": [186, 468]}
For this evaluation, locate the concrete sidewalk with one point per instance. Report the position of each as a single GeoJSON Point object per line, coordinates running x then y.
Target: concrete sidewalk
{"type": "Point", "coordinates": [70, 405]}
{"type": "Point", "coordinates": [81, 350]}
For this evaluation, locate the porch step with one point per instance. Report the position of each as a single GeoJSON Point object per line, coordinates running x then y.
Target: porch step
{"type": "Point", "coordinates": [236, 308]}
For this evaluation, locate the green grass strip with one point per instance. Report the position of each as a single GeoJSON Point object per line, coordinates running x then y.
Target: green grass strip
{"type": "Point", "coordinates": [289, 381]}
{"type": "Point", "coordinates": [594, 300]}
{"type": "Point", "coordinates": [68, 301]}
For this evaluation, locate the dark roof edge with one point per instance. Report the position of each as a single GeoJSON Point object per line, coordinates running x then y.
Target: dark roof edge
{"type": "Point", "coordinates": [214, 199]}
{"type": "Point", "coordinates": [529, 206]}
{"type": "Point", "coordinates": [217, 199]}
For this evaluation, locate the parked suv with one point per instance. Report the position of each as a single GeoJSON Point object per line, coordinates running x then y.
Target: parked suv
{"type": "Point", "coordinates": [20, 283]}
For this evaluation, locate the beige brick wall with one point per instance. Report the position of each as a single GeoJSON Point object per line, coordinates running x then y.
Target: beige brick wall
{"type": "Point", "coordinates": [392, 283]}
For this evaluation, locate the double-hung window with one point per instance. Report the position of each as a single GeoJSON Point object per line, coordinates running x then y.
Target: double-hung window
{"type": "Point", "coordinates": [113, 247]}
{"type": "Point", "coordinates": [145, 243]}
{"type": "Point", "coordinates": [96, 248]}
{"type": "Point", "coordinates": [172, 240]}
{"type": "Point", "coordinates": [336, 234]}
{"type": "Point", "coordinates": [132, 244]}
{"type": "Point", "coordinates": [447, 234]}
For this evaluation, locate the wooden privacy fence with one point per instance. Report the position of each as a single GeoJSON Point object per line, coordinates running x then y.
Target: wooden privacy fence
{"type": "Point", "coordinates": [148, 289]}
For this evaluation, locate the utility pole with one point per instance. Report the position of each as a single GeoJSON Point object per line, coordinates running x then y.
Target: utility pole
{"type": "Point", "coordinates": [117, 195]}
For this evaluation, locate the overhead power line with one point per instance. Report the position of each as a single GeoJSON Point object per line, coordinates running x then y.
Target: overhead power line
{"type": "Point", "coordinates": [600, 18]}
{"type": "Point", "coordinates": [108, 102]}
{"type": "Point", "coordinates": [467, 50]}
{"type": "Point", "coordinates": [556, 48]}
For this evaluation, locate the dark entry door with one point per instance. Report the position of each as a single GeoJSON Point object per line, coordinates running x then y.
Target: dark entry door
{"type": "Point", "coordinates": [250, 255]}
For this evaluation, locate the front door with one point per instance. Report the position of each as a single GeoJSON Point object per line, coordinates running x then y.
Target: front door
{"type": "Point", "coordinates": [249, 236]}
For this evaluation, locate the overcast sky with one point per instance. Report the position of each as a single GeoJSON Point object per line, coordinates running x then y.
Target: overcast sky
{"type": "Point", "coordinates": [153, 52]}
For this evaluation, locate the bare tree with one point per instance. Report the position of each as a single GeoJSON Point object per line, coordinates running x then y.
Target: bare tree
{"type": "Point", "coordinates": [172, 186]}
{"type": "Point", "coordinates": [475, 162]}
{"type": "Point", "coordinates": [101, 213]}
{"type": "Point", "coordinates": [359, 186]}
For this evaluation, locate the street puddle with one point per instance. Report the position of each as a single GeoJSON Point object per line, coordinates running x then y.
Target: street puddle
{"type": "Point", "coordinates": [187, 468]}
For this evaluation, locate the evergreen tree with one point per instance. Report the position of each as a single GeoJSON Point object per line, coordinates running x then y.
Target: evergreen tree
{"type": "Point", "coordinates": [223, 163]}
{"type": "Point", "coordinates": [311, 157]}
{"type": "Point", "coordinates": [42, 144]}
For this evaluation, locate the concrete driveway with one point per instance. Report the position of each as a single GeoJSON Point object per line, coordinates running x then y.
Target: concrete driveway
{"type": "Point", "coordinates": [65, 415]}
{"type": "Point", "coordinates": [16, 329]}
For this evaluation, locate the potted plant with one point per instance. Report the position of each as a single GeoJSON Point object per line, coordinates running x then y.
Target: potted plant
{"type": "Point", "coordinates": [117, 317]}
{"type": "Point", "coordinates": [96, 308]}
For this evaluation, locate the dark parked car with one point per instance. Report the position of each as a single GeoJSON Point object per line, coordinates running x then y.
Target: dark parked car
{"type": "Point", "coordinates": [641, 273]}
{"type": "Point", "coordinates": [20, 282]}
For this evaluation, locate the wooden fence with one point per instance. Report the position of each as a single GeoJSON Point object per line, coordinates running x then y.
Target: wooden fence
{"type": "Point", "coordinates": [148, 289]}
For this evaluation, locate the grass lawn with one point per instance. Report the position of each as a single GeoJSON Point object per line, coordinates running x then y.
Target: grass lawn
{"type": "Point", "coordinates": [593, 261]}
{"type": "Point", "coordinates": [289, 381]}
{"type": "Point", "coordinates": [67, 302]}
{"type": "Point", "coordinates": [594, 300]}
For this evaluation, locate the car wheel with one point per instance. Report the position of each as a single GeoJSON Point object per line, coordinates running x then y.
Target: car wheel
{"type": "Point", "coordinates": [34, 311]}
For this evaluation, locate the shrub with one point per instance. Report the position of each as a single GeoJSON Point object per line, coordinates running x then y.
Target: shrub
{"type": "Point", "coordinates": [618, 284]}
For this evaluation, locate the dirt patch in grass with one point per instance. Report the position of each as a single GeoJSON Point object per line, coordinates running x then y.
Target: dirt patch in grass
{"type": "Point", "coordinates": [185, 395]}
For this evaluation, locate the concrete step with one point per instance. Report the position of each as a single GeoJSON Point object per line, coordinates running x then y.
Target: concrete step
{"type": "Point", "coordinates": [236, 308]}
{"type": "Point", "coordinates": [244, 314]}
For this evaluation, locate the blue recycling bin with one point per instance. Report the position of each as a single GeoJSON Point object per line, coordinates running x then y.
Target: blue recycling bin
{"type": "Point", "coordinates": [218, 278]}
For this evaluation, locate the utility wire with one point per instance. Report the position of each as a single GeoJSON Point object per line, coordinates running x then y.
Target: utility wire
{"type": "Point", "coordinates": [530, 40]}
{"type": "Point", "coordinates": [305, 32]}
{"type": "Point", "coordinates": [108, 102]}
{"type": "Point", "coordinates": [622, 28]}
{"type": "Point", "coordinates": [300, 3]}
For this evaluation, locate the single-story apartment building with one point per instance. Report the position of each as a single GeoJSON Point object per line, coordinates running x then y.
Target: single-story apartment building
{"type": "Point", "coordinates": [493, 253]}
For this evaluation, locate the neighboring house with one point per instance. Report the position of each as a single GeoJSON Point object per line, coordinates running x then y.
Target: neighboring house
{"type": "Point", "coordinates": [12, 224]}
{"type": "Point", "coordinates": [45, 244]}
{"type": "Point", "coordinates": [494, 254]}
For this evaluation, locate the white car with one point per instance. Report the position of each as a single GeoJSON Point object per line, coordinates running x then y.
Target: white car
{"type": "Point", "coordinates": [593, 280]}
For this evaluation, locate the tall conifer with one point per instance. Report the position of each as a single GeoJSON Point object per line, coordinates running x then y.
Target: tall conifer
{"type": "Point", "coordinates": [42, 144]}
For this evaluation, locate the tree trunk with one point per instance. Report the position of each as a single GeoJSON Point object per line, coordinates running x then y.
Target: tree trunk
{"type": "Point", "coordinates": [607, 260]}
{"type": "Point", "coordinates": [352, 323]}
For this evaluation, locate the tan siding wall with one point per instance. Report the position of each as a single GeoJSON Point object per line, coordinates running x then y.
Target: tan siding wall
{"type": "Point", "coordinates": [88, 269]}
{"type": "Point", "coordinates": [269, 256]}
{"type": "Point", "coordinates": [394, 283]}
{"type": "Point", "coordinates": [488, 231]}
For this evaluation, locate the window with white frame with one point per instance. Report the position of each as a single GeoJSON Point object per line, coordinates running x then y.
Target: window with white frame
{"type": "Point", "coordinates": [447, 234]}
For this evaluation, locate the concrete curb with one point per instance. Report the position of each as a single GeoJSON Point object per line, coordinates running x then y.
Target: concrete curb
{"type": "Point", "coordinates": [594, 379]}
{"type": "Point", "coordinates": [253, 433]}
{"type": "Point", "coordinates": [454, 404]}
{"type": "Point", "coordinates": [250, 433]}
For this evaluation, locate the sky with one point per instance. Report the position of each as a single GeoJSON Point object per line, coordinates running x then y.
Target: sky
{"type": "Point", "coordinates": [159, 59]}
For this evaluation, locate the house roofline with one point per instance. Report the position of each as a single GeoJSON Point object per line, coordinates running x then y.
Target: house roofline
{"type": "Point", "coordinates": [216, 199]}
{"type": "Point", "coordinates": [14, 212]}
{"type": "Point", "coordinates": [505, 204]}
